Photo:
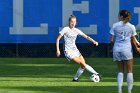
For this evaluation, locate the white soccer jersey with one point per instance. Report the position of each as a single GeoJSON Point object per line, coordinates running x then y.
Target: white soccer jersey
{"type": "Point", "coordinates": [70, 36]}
{"type": "Point", "coordinates": [122, 36]}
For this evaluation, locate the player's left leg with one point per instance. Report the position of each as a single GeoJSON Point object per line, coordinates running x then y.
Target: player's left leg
{"type": "Point", "coordinates": [80, 60]}
{"type": "Point", "coordinates": [87, 67]}
{"type": "Point", "coordinates": [120, 75]}
{"type": "Point", "coordinates": [130, 75]}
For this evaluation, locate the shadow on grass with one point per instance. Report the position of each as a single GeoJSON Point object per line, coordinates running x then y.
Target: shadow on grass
{"type": "Point", "coordinates": [71, 89]}
{"type": "Point", "coordinates": [55, 68]}
{"type": "Point", "coordinates": [44, 72]}
{"type": "Point", "coordinates": [66, 89]}
{"type": "Point", "coordinates": [33, 60]}
{"type": "Point", "coordinates": [36, 67]}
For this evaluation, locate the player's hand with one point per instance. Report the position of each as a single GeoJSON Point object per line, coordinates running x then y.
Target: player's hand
{"type": "Point", "coordinates": [138, 44]}
{"type": "Point", "coordinates": [138, 50]}
{"type": "Point", "coordinates": [58, 53]}
{"type": "Point", "coordinates": [96, 43]}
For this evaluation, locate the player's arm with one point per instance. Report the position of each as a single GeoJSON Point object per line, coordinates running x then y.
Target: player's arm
{"type": "Point", "coordinates": [134, 40]}
{"type": "Point", "coordinates": [112, 40]}
{"type": "Point", "coordinates": [90, 39]}
{"type": "Point", "coordinates": [57, 45]}
{"type": "Point", "coordinates": [135, 43]}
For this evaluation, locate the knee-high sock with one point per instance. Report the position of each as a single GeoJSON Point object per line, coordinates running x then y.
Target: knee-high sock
{"type": "Point", "coordinates": [130, 81]}
{"type": "Point", "coordinates": [78, 73]}
{"type": "Point", "coordinates": [120, 81]}
{"type": "Point", "coordinates": [90, 69]}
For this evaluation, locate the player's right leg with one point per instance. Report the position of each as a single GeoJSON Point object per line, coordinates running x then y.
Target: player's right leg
{"type": "Point", "coordinates": [130, 75]}
{"type": "Point", "coordinates": [128, 56]}
{"type": "Point", "coordinates": [81, 69]}
{"type": "Point", "coordinates": [78, 74]}
{"type": "Point", "coordinates": [74, 55]}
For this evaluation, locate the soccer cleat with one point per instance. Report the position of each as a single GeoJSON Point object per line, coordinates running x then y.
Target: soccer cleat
{"type": "Point", "coordinates": [119, 90]}
{"type": "Point", "coordinates": [100, 76]}
{"type": "Point", "coordinates": [75, 80]}
{"type": "Point", "coordinates": [129, 91]}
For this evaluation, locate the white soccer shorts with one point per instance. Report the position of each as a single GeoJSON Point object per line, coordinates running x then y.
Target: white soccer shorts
{"type": "Point", "coordinates": [71, 54]}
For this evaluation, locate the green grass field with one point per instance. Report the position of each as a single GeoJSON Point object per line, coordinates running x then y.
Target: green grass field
{"type": "Point", "coordinates": [54, 75]}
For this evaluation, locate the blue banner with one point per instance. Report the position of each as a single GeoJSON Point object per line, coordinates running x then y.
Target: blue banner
{"type": "Point", "coordinates": [39, 21]}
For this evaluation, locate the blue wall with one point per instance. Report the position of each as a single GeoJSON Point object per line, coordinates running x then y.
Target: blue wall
{"type": "Point", "coordinates": [24, 24]}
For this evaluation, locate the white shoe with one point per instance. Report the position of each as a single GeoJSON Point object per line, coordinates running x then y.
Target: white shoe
{"type": "Point", "coordinates": [119, 91]}
{"type": "Point", "coordinates": [129, 91]}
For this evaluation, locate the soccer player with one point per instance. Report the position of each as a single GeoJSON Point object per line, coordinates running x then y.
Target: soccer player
{"type": "Point", "coordinates": [70, 49]}
{"type": "Point", "coordinates": [122, 34]}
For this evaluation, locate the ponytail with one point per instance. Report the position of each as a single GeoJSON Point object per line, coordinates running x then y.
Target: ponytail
{"type": "Point", "coordinates": [125, 16]}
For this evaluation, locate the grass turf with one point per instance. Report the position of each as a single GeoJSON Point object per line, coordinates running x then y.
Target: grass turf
{"type": "Point", "coordinates": [54, 75]}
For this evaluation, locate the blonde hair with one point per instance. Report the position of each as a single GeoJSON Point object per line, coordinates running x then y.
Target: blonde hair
{"type": "Point", "coordinates": [71, 16]}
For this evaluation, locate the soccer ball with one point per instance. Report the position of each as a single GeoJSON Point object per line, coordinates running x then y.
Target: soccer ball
{"type": "Point", "coordinates": [95, 78]}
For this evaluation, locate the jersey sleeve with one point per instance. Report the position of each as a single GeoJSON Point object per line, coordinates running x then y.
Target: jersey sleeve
{"type": "Point", "coordinates": [133, 30]}
{"type": "Point", "coordinates": [79, 32]}
{"type": "Point", "coordinates": [63, 31]}
{"type": "Point", "coordinates": [112, 30]}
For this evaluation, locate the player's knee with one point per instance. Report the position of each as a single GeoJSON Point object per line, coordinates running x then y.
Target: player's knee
{"type": "Point", "coordinates": [83, 65]}
{"type": "Point", "coordinates": [130, 71]}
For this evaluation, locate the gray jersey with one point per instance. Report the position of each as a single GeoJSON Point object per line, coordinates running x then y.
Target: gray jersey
{"type": "Point", "coordinates": [122, 36]}
{"type": "Point", "coordinates": [70, 36]}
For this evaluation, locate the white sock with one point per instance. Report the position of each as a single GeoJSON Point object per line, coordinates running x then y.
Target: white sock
{"type": "Point", "coordinates": [90, 69]}
{"type": "Point", "coordinates": [120, 81]}
{"type": "Point", "coordinates": [78, 73]}
{"type": "Point", "coordinates": [130, 81]}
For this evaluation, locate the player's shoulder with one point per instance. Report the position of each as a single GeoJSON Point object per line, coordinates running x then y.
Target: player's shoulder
{"type": "Point", "coordinates": [63, 30]}
{"type": "Point", "coordinates": [131, 25]}
{"type": "Point", "coordinates": [77, 29]}
{"type": "Point", "coordinates": [117, 24]}
{"type": "Point", "coordinates": [66, 27]}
